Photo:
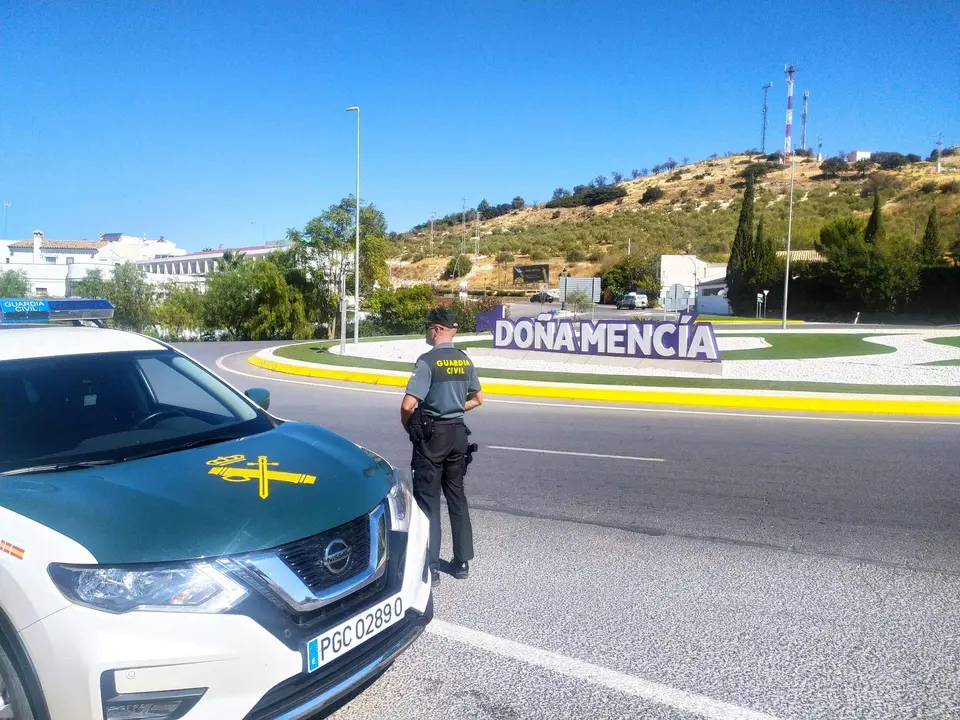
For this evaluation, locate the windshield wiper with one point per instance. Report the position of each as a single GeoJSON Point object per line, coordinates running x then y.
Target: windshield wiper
{"type": "Point", "coordinates": [58, 467]}
{"type": "Point", "coordinates": [189, 445]}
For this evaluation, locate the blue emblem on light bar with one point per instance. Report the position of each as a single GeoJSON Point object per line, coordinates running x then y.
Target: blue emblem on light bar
{"type": "Point", "coordinates": [27, 310]}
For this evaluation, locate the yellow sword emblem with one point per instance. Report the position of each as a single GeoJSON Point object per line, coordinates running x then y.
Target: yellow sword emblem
{"type": "Point", "coordinates": [259, 471]}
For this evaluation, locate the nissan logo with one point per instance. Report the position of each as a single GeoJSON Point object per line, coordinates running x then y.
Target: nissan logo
{"type": "Point", "coordinates": [336, 556]}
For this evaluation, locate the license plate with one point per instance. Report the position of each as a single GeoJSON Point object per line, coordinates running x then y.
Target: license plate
{"type": "Point", "coordinates": [343, 638]}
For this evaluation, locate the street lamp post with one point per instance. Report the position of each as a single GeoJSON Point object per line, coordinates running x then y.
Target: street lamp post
{"type": "Point", "coordinates": [356, 252]}
{"type": "Point", "coordinates": [786, 275]}
{"type": "Point", "coordinates": [694, 261]}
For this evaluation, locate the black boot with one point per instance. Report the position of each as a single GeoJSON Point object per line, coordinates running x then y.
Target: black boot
{"type": "Point", "coordinates": [434, 577]}
{"type": "Point", "coordinates": [461, 569]}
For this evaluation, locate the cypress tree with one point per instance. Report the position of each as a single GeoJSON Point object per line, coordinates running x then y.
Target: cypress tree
{"type": "Point", "coordinates": [931, 251]}
{"type": "Point", "coordinates": [874, 231]}
{"type": "Point", "coordinates": [742, 254]}
{"type": "Point", "coordinates": [765, 255]}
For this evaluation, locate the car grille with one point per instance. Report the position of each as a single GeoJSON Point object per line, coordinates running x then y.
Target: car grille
{"type": "Point", "coordinates": [305, 557]}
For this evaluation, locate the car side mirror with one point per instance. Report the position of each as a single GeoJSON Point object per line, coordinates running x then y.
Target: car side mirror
{"type": "Point", "coordinates": [261, 396]}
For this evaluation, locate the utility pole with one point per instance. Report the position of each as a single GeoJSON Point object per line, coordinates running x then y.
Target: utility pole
{"type": "Point", "coordinates": [819, 148]}
{"type": "Point", "coordinates": [939, 152]}
{"type": "Point", "coordinates": [476, 249]}
{"type": "Point", "coordinates": [629, 241]}
{"type": "Point", "coordinates": [6, 209]}
{"type": "Point", "coordinates": [763, 131]}
{"type": "Point", "coordinates": [432, 218]}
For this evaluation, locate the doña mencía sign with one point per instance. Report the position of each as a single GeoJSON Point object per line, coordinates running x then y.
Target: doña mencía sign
{"type": "Point", "coordinates": [659, 340]}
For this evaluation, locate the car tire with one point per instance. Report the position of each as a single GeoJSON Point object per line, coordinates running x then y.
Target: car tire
{"type": "Point", "coordinates": [13, 695]}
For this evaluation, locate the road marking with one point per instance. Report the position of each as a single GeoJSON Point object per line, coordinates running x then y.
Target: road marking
{"type": "Point", "coordinates": [596, 675]}
{"type": "Point", "coordinates": [606, 408]}
{"type": "Point", "coordinates": [577, 454]}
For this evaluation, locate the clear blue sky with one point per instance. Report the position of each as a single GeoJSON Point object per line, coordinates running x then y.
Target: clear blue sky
{"type": "Point", "coordinates": [223, 122]}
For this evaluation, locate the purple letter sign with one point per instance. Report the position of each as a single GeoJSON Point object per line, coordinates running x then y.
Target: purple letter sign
{"type": "Point", "coordinates": [667, 340]}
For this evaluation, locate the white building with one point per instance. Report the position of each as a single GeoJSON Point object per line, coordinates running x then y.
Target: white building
{"type": "Point", "coordinates": [857, 155]}
{"type": "Point", "coordinates": [706, 282]}
{"type": "Point", "coordinates": [51, 265]}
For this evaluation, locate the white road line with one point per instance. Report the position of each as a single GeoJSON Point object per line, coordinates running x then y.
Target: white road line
{"type": "Point", "coordinates": [587, 672]}
{"type": "Point", "coordinates": [605, 408]}
{"type": "Point", "coordinates": [577, 454]}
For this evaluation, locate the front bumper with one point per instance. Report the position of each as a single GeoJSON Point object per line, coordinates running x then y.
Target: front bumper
{"type": "Point", "coordinates": [247, 666]}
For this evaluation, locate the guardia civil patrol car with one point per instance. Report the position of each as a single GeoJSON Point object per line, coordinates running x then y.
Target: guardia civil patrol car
{"type": "Point", "coordinates": [169, 549]}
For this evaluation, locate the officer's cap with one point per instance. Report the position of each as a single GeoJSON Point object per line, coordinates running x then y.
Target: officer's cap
{"type": "Point", "coordinates": [442, 316]}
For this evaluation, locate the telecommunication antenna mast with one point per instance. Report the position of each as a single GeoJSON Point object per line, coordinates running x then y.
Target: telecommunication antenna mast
{"type": "Point", "coordinates": [803, 125]}
{"type": "Point", "coordinates": [763, 131]}
{"type": "Point", "coordinates": [789, 70]}
{"type": "Point", "coordinates": [939, 150]}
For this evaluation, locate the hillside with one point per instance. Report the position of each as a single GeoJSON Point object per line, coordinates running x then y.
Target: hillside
{"type": "Point", "coordinates": [697, 213]}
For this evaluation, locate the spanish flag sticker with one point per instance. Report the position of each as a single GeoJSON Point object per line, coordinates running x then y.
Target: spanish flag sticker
{"type": "Point", "coordinates": [11, 549]}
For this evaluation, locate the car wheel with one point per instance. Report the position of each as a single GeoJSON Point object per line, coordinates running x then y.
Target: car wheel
{"type": "Point", "coordinates": [14, 704]}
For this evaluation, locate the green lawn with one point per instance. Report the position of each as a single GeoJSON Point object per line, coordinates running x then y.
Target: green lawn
{"type": "Point", "coordinates": [807, 346]}
{"type": "Point", "coordinates": [317, 352]}
{"type": "Point", "coordinates": [953, 342]}
{"type": "Point", "coordinates": [949, 341]}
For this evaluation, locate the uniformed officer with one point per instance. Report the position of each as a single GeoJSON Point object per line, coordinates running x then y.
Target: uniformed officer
{"type": "Point", "coordinates": [443, 387]}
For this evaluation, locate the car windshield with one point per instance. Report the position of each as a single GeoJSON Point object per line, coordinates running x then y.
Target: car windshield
{"type": "Point", "coordinates": [101, 408]}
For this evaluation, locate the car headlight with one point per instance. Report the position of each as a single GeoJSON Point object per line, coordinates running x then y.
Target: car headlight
{"type": "Point", "coordinates": [197, 587]}
{"type": "Point", "coordinates": [401, 500]}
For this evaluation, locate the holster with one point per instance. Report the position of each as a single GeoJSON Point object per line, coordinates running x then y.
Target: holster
{"type": "Point", "coordinates": [420, 426]}
{"type": "Point", "coordinates": [471, 449]}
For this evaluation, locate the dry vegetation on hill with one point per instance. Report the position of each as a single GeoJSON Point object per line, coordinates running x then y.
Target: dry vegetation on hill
{"type": "Point", "coordinates": [697, 213]}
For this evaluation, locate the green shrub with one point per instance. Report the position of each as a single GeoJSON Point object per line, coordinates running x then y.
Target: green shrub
{"type": "Point", "coordinates": [708, 189]}
{"type": "Point", "coordinates": [415, 258]}
{"type": "Point", "coordinates": [505, 257]}
{"type": "Point", "coordinates": [575, 255]}
{"type": "Point", "coordinates": [458, 267]}
{"type": "Point", "coordinates": [556, 214]}
{"type": "Point", "coordinates": [400, 311]}
{"type": "Point", "coordinates": [539, 255]}
{"type": "Point", "coordinates": [951, 187]}
{"type": "Point", "coordinates": [651, 195]}
{"type": "Point", "coordinates": [467, 311]}
{"type": "Point", "coordinates": [595, 256]}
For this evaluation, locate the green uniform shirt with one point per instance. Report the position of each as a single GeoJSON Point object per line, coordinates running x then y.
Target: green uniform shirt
{"type": "Point", "coordinates": [442, 379]}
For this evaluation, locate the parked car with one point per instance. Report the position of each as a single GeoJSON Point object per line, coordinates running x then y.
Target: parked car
{"type": "Point", "coordinates": [631, 301]}
{"type": "Point", "coordinates": [543, 297]}
{"type": "Point", "coordinates": [171, 549]}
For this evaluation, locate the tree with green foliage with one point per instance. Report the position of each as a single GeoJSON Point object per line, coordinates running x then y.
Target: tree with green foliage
{"type": "Point", "coordinates": [862, 167]}
{"type": "Point", "coordinates": [517, 203]}
{"type": "Point", "coordinates": [278, 312]}
{"type": "Point", "coordinates": [180, 312]}
{"type": "Point", "coordinates": [133, 298]}
{"type": "Point", "coordinates": [862, 275]}
{"type": "Point", "coordinates": [651, 195]}
{"type": "Point", "coordinates": [631, 273]}
{"type": "Point", "coordinates": [484, 207]}
{"type": "Point", "coordinates": [230, 260]}
{"type": "Point", "coordinates": [325, 247]}
{"type": "Point", "coordinates": [579, 301]}
{"type": "Point", "coordinates": [873, 235]}
{"type": "Point", "coordinates": [458, 267]}
{"type": "Point", "coordinates": [741, 270]}
{"type": "Point", "coordinates": [931, 249]}
{"type": "Point", "coordinates": [401, 311]}
{"type": "Point", "coordinates": [14, 284]}
{"type": "Point", "coordinates": [832, 167]}
{"type": "Point", "coordinates": [254, 302]}
{"type": "Point", "coordinates": [91, 285]}
{"type": "Point", "coordinates": [765, 263]}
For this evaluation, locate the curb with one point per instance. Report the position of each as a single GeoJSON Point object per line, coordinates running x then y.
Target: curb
{"type": "Point", "coordinates": [732, 399]}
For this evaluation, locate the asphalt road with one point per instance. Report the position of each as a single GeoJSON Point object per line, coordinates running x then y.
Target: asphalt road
{"type": "Point", "coordinates": [696, 564]}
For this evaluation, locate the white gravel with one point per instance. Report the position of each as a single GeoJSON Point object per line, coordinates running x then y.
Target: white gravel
{"type": "Point", "coordinates": [902, 367]}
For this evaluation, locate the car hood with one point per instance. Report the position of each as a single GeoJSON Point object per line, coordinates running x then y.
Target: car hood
{"type": "Point", "coordinates": [207, 502]}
